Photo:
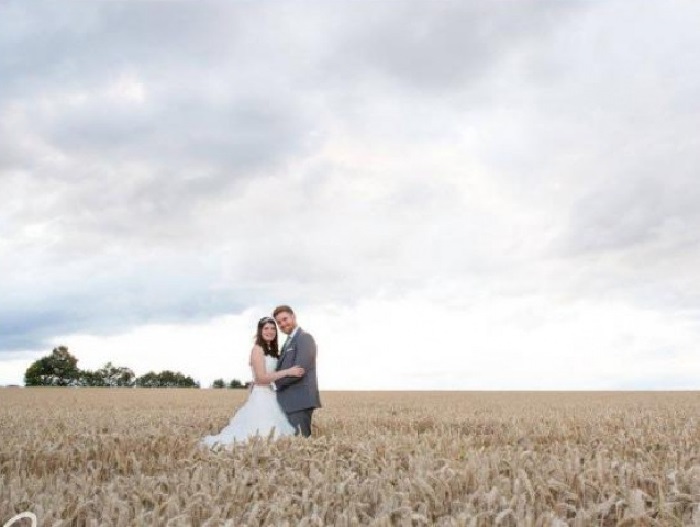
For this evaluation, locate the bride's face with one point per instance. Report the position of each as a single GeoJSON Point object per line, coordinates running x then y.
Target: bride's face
{"type": "Point", "coordinates": [269, 332]}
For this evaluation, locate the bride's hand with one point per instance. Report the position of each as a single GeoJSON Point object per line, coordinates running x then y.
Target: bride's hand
{"type": "Point", "coordinates": [296, 371]}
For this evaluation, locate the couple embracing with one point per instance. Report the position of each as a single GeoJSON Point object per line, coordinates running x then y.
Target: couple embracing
{"type": "Point", "coordinates": [285, 389]}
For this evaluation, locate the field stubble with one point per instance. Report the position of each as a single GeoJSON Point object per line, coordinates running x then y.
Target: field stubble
{"type": "Point", "coordinates": [94, 456]}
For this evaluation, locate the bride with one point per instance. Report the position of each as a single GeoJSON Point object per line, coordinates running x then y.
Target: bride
{"type": "Point", "coordinates": [261, 413]}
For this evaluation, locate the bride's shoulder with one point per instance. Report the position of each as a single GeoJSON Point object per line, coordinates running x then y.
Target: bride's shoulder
{"type": "Point", "coordinates": [257, 351]}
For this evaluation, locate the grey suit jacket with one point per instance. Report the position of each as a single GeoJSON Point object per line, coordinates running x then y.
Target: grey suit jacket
{"type": "Point", "coordinates": [299, 393]}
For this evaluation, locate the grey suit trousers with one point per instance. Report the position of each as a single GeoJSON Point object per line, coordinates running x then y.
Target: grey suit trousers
{"type": "Point", "coordinates": [301, 420]}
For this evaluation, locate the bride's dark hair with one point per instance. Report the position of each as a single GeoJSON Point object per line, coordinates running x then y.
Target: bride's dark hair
{"type": "Point", "coordinates": [271, 348]}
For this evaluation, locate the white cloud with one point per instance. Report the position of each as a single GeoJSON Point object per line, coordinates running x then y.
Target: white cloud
{"type": "Point", "coordinates": [417, 343]}
{"type": "Point", "coordinates": [527, 174]}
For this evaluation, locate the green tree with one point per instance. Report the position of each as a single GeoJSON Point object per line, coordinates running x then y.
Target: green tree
{"type": "Point", "coordinates": [166, 379]}
{"type": "Point", "coordinates": [90, 378]}
{"type": "Point", "coordinates": [58, 369]}
{"type": "Point", "coordinates": [218, 384]}
{"type": "Point", "coordinates": [148, 380]}
{"type": "Point", "coordinates": [109, 375]}
{"type": "Point", "coordinates": [236, 384]}
{"type": "Point", "coordinates": [116, 376]}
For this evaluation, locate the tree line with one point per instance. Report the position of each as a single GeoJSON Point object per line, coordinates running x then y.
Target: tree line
{"type": "Point", "coordinates": [61, 369]}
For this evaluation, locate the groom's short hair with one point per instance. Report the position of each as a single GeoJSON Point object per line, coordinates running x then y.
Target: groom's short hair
{"type": "Point", "coordinates": [282, 309]}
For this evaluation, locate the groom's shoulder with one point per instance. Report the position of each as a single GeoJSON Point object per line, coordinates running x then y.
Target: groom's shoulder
{"type": "Point", "coordinates": [306, 336]}
{"type": "Point", "coordinates": [302, 332]}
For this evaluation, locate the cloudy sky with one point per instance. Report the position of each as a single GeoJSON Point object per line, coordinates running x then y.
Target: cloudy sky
{"type": "Point", "coordinates": [452, 195]}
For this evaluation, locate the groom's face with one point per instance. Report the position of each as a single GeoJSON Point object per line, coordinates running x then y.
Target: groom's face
{"type": "Point", "coordinates": [286, 321]}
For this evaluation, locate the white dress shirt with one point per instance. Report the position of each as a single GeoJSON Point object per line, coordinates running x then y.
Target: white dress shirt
{"type": "Point", "coordinates": [291, 335]}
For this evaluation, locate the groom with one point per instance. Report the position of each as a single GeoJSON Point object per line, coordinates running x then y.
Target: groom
{"type": "Point", "coordinates": [298, 396]}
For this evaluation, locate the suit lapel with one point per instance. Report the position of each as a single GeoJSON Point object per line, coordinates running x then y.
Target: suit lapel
{"type": "Point", "coordinates": [287, 345]}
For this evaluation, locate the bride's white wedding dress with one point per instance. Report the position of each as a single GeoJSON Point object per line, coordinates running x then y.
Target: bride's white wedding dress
{"type": "Point", "coordinates": [258, 415]}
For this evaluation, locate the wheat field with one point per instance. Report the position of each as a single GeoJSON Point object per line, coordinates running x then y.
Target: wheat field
{"type": "Point", "coordinates": [93, 456]}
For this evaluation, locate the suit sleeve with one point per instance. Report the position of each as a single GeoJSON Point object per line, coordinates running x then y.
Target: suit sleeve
{"type": "Point", "coordinates": [304, 356]}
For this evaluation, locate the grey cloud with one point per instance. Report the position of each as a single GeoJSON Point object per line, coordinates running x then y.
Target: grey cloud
{"type": "Point", "coordinates": [231, 140]}
{"type": "Point", "coordinates": [110, 296]}
{"type": "Point", "coordinates": [180, 54]}
{"type": "Point", "coordinates": [77, 45]}
{"type": "Point", "coordinates": [439, 47]}
{"type": "Point", "coordinates": [25, 329]}
{"type": "Point", "coordinates": [636, 240]}
{"type": "Point", "coordinates": [634, 210]}
{"type": "Point", "coordinates": [218, 189]}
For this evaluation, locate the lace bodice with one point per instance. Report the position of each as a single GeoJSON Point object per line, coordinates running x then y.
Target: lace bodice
{"type": "Point", "coordinates": [270, 365]}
